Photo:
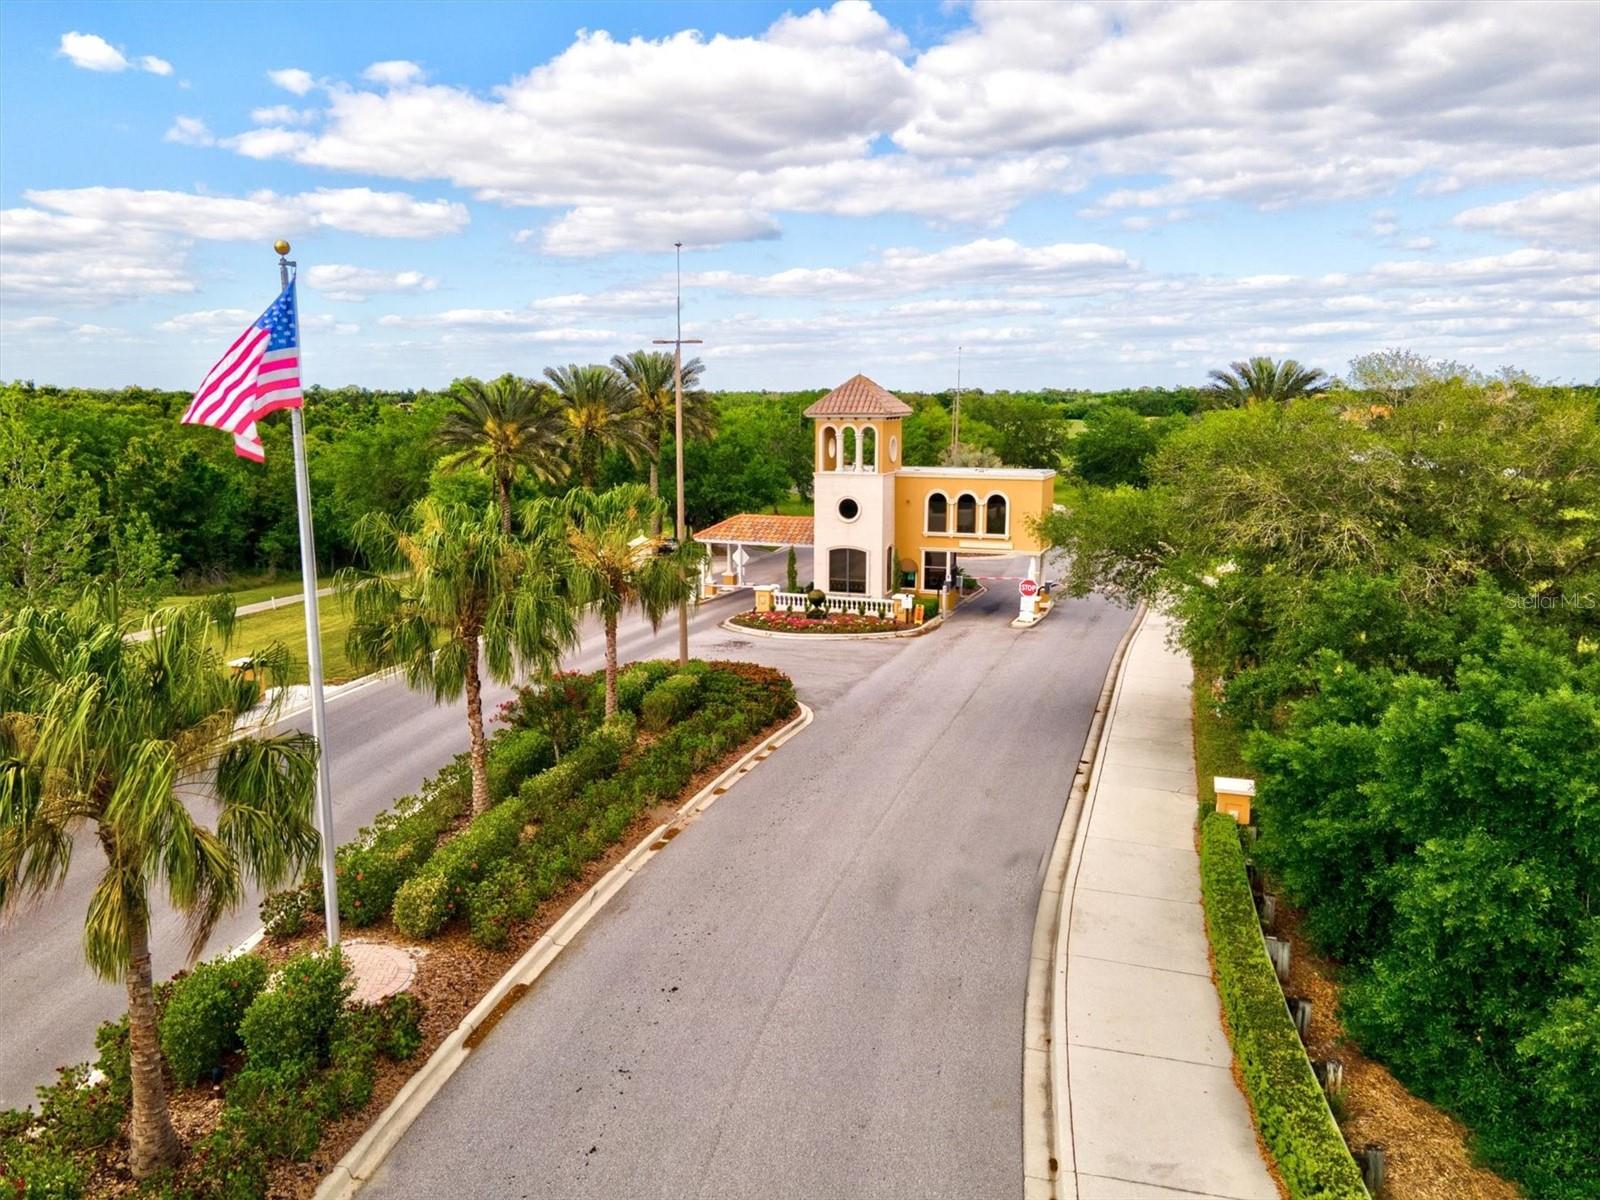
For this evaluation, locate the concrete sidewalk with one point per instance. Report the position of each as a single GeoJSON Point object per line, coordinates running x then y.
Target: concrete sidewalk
{"type": "Point", "coordinates": [1145, 1103]}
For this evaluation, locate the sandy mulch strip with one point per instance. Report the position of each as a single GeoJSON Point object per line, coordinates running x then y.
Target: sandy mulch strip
{"type": "Point", "coordinates": [1427, 1155]}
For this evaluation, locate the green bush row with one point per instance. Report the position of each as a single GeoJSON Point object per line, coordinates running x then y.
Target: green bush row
{"type": "Point", "coordinates": [308, 1058]}
{"type": "Point", "coordinates": [1290, 1110]}
{"type": "Point", "coordinates": [427, 901]}
{"type": "Point", "coordinates": [737, 701]}
{"type": "Point", "coordinates": [399, 842]}
{"type": "Point", "coordinates": [669, 701]}
{"type": "Point", "coordinates": [200, 1024]}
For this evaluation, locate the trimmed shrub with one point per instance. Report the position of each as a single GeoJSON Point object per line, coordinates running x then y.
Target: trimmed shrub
{"type": "Point", "coordinates": [291, 1024]}
{"type": "Point", "coordinates": [78, 1117]}
{"type": "Point", "coordinates": [200, 1025]}
{"type": "Point", "coordinates": [44, 1171]}
{"type": "Point", "coordinates": [669, 701]}
{"type": "Point", "coordinates": [435, 895]}
{"type": "Point", "coordinates": [635, 681]}
{"type": "Point", "coordinates": [230, 1164]}
{"type": "Point", "coordinates": [1290, 1110]}
{"type": "Point", "coordinates": [397, 845]}
{"type": "Point", "coordinates": [283, 914]}
{"type": "Point", "coordinates": [278, 1108]}
{"type": "Point", "coordinates": [422, 906]}
{"type": "Point", "coordinates": [514, 755]}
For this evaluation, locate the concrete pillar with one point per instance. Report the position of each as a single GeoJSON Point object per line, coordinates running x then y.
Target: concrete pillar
{"type": "Point", "coordinates": [764, 594]}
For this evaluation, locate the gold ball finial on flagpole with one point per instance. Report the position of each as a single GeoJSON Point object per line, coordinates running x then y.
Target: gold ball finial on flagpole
{"type": "Point", "coordinates": [281, 246]}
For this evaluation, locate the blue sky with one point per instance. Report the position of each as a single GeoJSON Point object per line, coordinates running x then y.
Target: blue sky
{"type": "Point", "coordinates": [1084, 195]}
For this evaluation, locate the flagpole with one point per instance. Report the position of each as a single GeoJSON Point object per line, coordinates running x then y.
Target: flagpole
{"type": "Point", "coordinates": [308, 584]}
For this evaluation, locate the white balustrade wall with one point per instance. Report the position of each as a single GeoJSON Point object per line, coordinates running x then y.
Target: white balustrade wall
{"type": "Point", "coordinates": [836, 602]}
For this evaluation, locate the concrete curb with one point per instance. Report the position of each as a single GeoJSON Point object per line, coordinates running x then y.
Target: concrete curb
{"type": "Point", "coordinates": [1046, 1136]}
{"type": "Point", "coordinates": [346, 1176]}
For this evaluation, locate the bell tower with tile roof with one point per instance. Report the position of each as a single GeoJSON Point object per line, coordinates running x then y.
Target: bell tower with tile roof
{"type": "Point", "coordinates": [858, 453]}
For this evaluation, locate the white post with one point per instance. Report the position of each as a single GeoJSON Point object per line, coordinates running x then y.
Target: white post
{"type": "Point", "coordinates": [308, 584]}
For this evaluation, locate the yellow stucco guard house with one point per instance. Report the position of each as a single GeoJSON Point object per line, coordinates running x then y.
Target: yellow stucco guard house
{"type": "Point", "coordinates": [878, 521]}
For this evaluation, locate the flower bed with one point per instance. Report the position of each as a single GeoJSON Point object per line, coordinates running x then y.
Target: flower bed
{"type": "Point", "coordinates": [780, 622]}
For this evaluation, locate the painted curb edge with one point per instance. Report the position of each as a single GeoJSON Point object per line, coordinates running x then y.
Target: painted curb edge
{"type": "Point", "coordinates": [1046, 1140]}
{"type": "Point", "coordinates": [345, 1178]}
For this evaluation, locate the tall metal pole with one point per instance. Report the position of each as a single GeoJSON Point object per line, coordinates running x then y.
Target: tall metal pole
{"type": "Point", "coordinates": [677, 442]}
{"type": "Point", "coordinates": [955, 410]}
{"type": "Point", "coordinates": [677, 446]}
{"type": "Point", "coordinates": [308, 584]}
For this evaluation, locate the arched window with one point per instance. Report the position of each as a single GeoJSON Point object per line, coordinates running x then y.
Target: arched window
{"type": "Point", "coordinates": [967, 513]}
{"type": "Point", "coordinates": [830, 448]}
{"type": "Point", "coordinates": [847, 459]}
{"type": "Point", "coordinates": [938, 513]}
{"type": "Point", "coordinates": [994, 515]}
{"type": "Point", "coordinates": [847, 571]}
{"type": "Point", "coordinates": [869, 447]}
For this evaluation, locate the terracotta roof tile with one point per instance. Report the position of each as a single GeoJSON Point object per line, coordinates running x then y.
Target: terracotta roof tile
{"type": "Point", "coordinates": [761, 529]}
{"type": "Point", "coordinates": [858, 396]}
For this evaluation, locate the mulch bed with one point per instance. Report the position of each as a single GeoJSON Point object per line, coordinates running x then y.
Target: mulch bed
{"type": "Point", "coordinates": [453, 973]}
{"type": "Point", "coordinates": [1427, 1154]}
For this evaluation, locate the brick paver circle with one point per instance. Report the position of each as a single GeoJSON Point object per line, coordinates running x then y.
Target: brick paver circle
{"type": "Point", "coordinates": [379, 970]}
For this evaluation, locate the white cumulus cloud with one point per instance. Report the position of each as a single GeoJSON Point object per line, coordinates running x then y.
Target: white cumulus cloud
{"type": "Point", "coordinates": [100, 245]}
{"type": "Point", "coordinates": [189, 131]}
{"type": "Point", "coordinates": [1567, 218]}
{"type": "Point", "coordinates": [397, 72]}
{"type": "Point", "coordinates": [292, 79]}
{"type": "Point", "coordinates": [340, 281]}
{"type": "Point", "coordinates": [93, 53]}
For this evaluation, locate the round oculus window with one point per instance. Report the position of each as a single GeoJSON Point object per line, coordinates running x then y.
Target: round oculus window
{"type": "Point", "coordinates": [849, 510]}
{"type": "Point", "coordinates": [894, 449]}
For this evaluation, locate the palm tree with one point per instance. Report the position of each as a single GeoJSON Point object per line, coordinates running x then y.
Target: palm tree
{"type": "Point", "coordinates": [448, 593]}
{"type": "Point", "coordinates": [503, 428]}
{"type": "Point", "coordinates": [648, 374]}
{"type": "Point", "coordinates": [1261, 381]}
{"type": "Point", "coordinates": [611, 560]}
{"type": "Point", "coordinates": [98, 728]}
{"type": "Point", "coordinates": [595, 411]}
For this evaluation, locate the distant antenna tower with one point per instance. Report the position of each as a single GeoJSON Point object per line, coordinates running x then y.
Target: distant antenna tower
{"type": "Point", "coordinates": [955, 409]}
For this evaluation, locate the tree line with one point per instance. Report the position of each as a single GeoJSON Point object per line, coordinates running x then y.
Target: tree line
{"type": "Point", "coordinates": [1394, 590]}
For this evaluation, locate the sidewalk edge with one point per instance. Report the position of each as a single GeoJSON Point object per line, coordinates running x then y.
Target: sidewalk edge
{"type": "Point", "coordinates": [345, 1178]}
{"type": "Point", "coordinates": [1046, 1141]}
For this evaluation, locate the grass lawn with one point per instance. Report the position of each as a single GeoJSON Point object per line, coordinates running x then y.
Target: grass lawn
{"type": "Point", "coordinates": [288, 625]}
{"type": "Point", "coordinates": [792, 506]}
{"type": "Point", "coordinates": [1218, 743]}
{"type": "Point", "coordinates": [250, 589]}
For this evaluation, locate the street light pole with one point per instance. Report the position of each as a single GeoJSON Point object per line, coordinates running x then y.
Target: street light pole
{"type": "Point", "coordinates": [678, 344]}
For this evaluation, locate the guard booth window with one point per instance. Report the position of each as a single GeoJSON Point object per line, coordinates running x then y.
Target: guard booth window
{"type": "Point", "coordinates": [847, 571]}
{"type": "Point", "coordinates": [935, 569]}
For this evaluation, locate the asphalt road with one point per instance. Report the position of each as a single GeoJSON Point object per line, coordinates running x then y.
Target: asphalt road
{"type": "Point", "coordinates": [817, 991]}
{"type": "Point", "coordinates": [384, 740]}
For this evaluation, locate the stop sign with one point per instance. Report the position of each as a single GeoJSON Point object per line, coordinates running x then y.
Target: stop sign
{"type": "Point", "coordinates": [1030, 587]}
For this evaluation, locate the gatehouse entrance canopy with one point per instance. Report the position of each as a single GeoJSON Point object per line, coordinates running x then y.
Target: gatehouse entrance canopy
{"type": "Point", "coordinates": [760, 529]}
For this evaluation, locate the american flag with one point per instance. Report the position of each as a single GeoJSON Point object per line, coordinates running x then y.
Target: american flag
{"type": "Point", "coordinates": [259, 374]}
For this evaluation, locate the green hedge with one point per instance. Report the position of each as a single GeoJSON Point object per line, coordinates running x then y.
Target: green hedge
{"type": "Point", "coordinates": [514, 755]}
{"type": "Point", "coordinates": [736, 700]}
{"type": "Point", "coordinates": [669, 701]}
{"type": "Point", "coordinates": [200, 1024]}
{"type": "Point", "coordinates": [372, 868]}
{"type": "Point", "coordinates": [635, 681]}
{"type": "Point", "coordinates": [1290, 1110]}
{"type": "Point", "coordinates": [427, 901]}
